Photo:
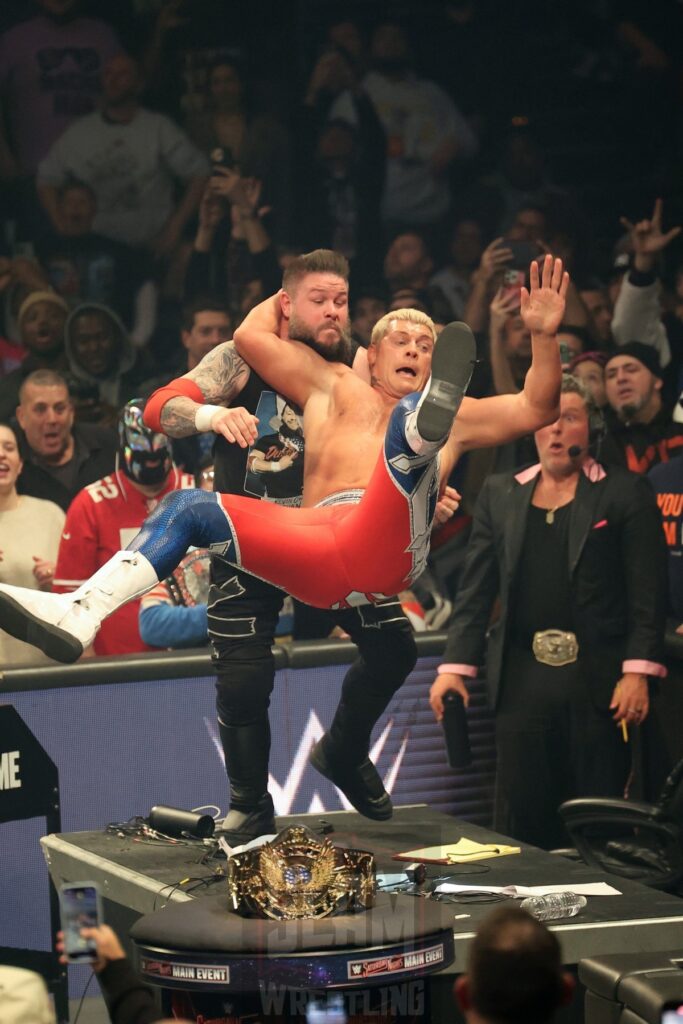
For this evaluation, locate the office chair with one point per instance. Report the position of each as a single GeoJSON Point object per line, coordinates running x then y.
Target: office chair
{"type": "Point", "coordinates": [632, 839]}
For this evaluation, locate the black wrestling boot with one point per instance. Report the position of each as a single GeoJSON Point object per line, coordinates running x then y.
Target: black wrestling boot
{"type": "Point", "coordinates": [453, 361]}
{"type": "Point", "coordinates": [360, 783]}
{"type": "Point", "coordinates": [246, 749]}
{"type": "Point", "coordinates": [239, 827]}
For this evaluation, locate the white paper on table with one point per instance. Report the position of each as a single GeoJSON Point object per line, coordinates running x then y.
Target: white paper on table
{"type": "Point", "coordinates": [585, 889]}
{"type": "Point", "coordinates": [231, 851]}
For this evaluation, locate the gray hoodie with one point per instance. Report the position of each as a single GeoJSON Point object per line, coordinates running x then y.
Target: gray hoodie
{"type": "Point", "coordinates": [113, 387]}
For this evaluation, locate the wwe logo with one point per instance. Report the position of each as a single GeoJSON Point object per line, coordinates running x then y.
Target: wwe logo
{"type": "Point", "coordinates": [284, 796]}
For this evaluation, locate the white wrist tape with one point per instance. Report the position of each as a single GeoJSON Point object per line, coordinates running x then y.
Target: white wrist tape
{"type": "Point", "coordinates": [203, 417]}
{"type": "Point", "coordinates": [275, 467]}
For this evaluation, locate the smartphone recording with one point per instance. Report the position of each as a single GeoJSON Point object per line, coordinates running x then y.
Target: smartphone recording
{"type": "Point", "coordinates": [80, 907]}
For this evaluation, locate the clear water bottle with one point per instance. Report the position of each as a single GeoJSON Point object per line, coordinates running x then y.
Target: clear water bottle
{"type": "Point", "coordinates": [554, 906]}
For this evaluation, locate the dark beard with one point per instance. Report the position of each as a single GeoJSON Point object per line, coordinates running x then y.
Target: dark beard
{"type": "Point", "coordinates": [339, 352]}
{"type": "Point", "coordinates": [627, 412]}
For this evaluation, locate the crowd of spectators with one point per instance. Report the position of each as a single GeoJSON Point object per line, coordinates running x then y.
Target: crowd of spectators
{"type": "Point", "coordinates": [161, 163]}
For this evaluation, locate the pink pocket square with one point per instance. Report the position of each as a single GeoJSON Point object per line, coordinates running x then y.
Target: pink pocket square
{"type": "Point", "coordinates": [603, 522]}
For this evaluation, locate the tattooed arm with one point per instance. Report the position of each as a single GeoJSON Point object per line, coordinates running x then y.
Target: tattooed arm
{"type": "Point", "coordinates": [220, 376]}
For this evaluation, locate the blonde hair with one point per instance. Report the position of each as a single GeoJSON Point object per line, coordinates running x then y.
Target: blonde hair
{"type": "Point", "coordinates": [412, 316]}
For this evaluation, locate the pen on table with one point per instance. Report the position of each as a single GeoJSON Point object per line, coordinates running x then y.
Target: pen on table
{"type": "Point", "coordinates": [624, 730]}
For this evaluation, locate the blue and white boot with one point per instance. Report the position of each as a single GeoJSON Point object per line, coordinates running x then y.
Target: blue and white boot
{"type": "Point", "coordinates": [63, 625]}
{"type": "Point", "coordinates": [427, 427]}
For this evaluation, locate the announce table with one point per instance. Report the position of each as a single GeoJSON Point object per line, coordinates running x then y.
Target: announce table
{"type": "Point", "coordinates": [144, 878]}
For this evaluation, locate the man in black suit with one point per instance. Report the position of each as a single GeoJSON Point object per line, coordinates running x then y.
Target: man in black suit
{"type": "Point", "coordinates": [576, 554]}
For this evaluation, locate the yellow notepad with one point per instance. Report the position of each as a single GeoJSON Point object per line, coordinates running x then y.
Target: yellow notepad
{"type": "Point", "coordinates": [461, 852]}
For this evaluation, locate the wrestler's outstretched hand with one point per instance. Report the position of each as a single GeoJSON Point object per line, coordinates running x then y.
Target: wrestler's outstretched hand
{"type": "Point", "coordinates": [236, 425]}
{"type": "Point", "coordinates": [543, 303]}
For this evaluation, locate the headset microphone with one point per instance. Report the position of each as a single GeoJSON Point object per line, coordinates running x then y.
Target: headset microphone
{"type": "Point", "coordinates": [574, 450]}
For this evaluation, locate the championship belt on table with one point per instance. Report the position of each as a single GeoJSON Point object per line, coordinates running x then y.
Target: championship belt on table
{"type": "Point", "coordinates": [298, 875]}
{"type": "Point", "coordinates": [555, 647]}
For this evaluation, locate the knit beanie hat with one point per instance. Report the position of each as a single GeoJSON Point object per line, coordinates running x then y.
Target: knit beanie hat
{"type": "Point", "coordinates": [645, 354]}
{"type": "Point", "coordinates": [594, 356]}
{"type": "Point", "coordinates": [43, 296]}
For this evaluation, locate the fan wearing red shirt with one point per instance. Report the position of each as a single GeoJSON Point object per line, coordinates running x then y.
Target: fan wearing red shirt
{"type": "Point", "coordinates": [107, 514]}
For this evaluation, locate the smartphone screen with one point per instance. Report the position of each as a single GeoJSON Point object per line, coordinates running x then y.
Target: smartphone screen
{"type": "Point", "coordinates": [326, 1011]}
{"type": "Point", "coordinates": [80, 908]}
{"type": "Point", "coordinates": [512, 283]}
{"type": "Point", "coordinates": [565, 354]}
{"type": "Point", "coordinates": [222, 156]}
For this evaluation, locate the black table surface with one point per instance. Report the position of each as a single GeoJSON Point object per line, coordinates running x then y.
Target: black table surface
{"type": "Point", "coordinates": [145, 876]}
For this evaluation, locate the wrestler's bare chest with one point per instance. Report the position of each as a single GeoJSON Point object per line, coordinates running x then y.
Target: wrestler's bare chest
{"type": "Point", "coordinates": [344, 435]}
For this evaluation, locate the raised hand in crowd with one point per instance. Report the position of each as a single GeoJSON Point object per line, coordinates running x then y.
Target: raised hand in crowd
{"type": "Point", "coordinates": [22, 271]}
{"type": "Point", "coordinates": [331, 75]}
{"type": "Point", "coordinates": [648, 239]}
{"type": "Point", "coordinates": [227, 183]}
{"type": "Point", "coordinates": [243, 194]}
{"type": "Point", "coordinates": [127, 997]}
{"type": "Point", "coordinates": [106, 943]}
{"type": "Point", "coordinates": [246, 213]}
{"type": "Point", "coordinates": [168, 19]}
{"type": "Point", "coordinates": [503, 304]}
{"type": "Point", "coordinates": [493, 260]}
{"type": "Point", "coordinates": [484, 280]}
{"type": "Point", "coordinates": [212, 210]}
{"type": "Point", "coordinates": [252, 188]}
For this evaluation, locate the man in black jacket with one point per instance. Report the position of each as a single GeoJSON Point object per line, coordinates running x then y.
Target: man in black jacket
{"type": "Point", "coordinates": [576, 555]}
{"type": "Point", "coordinates": [60, 457]}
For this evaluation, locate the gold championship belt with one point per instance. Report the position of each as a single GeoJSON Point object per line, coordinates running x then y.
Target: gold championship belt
{"type": "Point", "coordinates": [555, 647]}
{"type": "Point", "coordinates": [298, 875]}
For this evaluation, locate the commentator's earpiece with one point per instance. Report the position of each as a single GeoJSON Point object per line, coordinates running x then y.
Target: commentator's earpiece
{"type": "Point", "coordinates": [596, 432]}
{"type": "Point", "coordinates": [596, 427]}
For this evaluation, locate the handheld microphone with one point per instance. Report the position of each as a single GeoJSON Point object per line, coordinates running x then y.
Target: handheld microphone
{"type": "Point", "coordinates": [456, 732]}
